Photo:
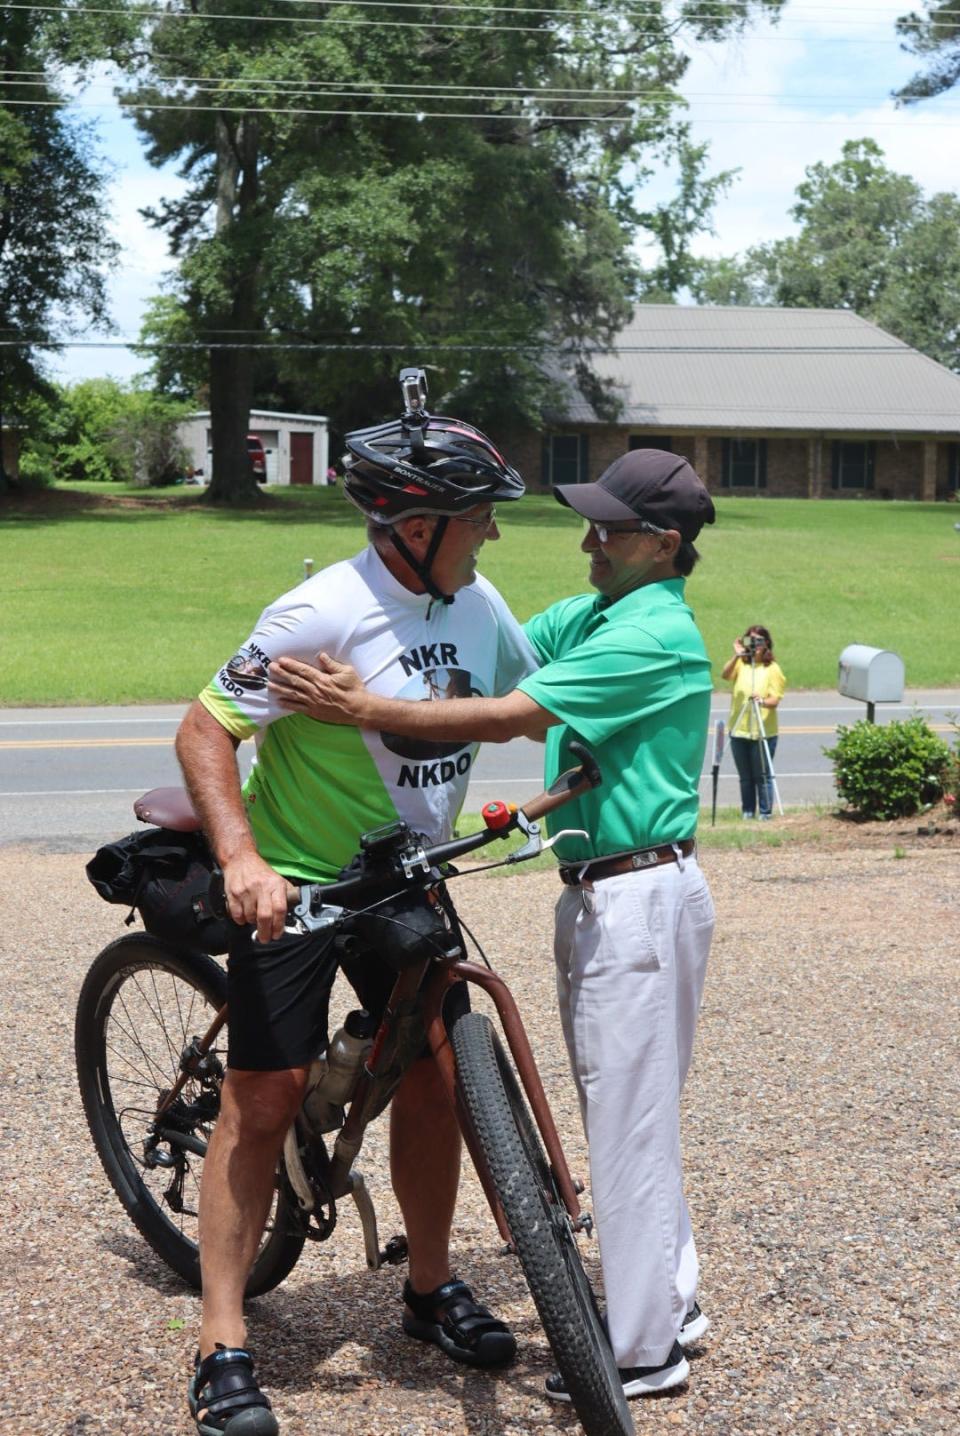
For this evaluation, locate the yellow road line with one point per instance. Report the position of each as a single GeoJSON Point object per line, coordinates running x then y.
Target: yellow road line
{"type": "Point", "coordinates": [168, 742]}
{"type": "Point", "coordinates": [88, 743]}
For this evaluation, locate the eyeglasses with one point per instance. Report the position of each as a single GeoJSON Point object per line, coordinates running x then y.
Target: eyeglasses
{"type": "Point", "coordinates": [483, 523]}
{"type": "Point", "coordinates": [605, 532]}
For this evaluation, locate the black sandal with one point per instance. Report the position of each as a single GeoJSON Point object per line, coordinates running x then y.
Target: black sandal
{"type": "Point", "coordinates": [225, 1388]}
{"type": "Point", "coordinates": [454, 1320]}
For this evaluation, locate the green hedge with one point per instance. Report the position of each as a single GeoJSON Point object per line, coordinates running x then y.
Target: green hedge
{"type": "Point", "coordinates": [889, 770]}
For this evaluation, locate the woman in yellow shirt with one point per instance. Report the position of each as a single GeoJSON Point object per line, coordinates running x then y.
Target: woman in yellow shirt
{"type": "Point", "coordinates": [754, 673]}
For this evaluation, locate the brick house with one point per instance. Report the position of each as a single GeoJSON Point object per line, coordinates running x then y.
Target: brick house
{"type": "Point", "coordinates": [801, 403]}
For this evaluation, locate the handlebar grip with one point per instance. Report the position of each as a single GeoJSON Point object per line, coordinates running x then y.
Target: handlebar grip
{"type": "Point", "coordinates": [570, 784]}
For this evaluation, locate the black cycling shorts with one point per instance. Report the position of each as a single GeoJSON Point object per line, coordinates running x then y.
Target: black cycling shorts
{"type": "Point", "coordinates": [279, 997]}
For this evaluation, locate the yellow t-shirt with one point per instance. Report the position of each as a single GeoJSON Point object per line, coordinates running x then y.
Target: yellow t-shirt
{"type": "Point", "coordinates": [766, 680]}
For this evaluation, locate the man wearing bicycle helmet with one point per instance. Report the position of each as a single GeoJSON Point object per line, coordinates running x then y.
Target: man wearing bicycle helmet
{"type": "Point", "coordinates": [414, 618]}
{"type": "Point", "coordinates": [625, 671]}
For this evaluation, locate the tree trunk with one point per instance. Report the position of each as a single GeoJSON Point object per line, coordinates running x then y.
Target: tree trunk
{"type": "Point", "coordinates": [231, 370]}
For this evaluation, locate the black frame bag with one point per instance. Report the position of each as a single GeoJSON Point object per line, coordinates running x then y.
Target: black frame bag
{"type": "Point", "coordinates": [166, 877]}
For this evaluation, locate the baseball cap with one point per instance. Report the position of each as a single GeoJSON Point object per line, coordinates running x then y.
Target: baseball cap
{"type": "Point", "coordinates": [644, 484]}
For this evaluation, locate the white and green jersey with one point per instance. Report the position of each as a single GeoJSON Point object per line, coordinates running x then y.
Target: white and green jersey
{"type": "Point", "coordinates": [315, 787]}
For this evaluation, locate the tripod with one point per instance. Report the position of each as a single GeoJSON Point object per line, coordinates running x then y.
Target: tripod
{"type": "Point", "coordinates": [755, 725]}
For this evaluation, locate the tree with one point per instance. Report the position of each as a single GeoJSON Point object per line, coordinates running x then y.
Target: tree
{"type": "Point", "coordinates": [54, 243]}
{"type": "Point", "coordinates": [935, 35]}
{"type": "Point", "coordinates": [338, 197]}
{"type": "Point", "coordinates": [868, 240]}
{"type": "Point", "coordinates": [110, 432]}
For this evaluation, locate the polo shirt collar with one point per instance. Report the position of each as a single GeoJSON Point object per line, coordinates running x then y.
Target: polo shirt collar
{"type": "Point", "coordinates": [639, 599]}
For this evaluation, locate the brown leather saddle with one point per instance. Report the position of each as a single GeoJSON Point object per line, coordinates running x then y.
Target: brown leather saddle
{"type": "Point", "coordinates": [168, 808]}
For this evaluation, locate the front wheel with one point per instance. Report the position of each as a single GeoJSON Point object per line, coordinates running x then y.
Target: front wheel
{"type": "Point", "coordinates": [141, 1004]}
{"type": "Point", "coordinates": [540, 1227]}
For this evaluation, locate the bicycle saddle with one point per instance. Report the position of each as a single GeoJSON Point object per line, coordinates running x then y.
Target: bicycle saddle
{"type": "Point", "coordinates": [168, 808]}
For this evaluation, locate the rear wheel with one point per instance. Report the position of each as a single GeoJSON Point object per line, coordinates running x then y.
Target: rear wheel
{"type": "Point", "coordinates": [540, 1227]}
{"type": "Point", "coordinates": [141, 1004]}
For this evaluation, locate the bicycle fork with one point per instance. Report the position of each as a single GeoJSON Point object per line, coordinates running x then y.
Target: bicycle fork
{"type": "Point", "coordinates": [522, 1054]}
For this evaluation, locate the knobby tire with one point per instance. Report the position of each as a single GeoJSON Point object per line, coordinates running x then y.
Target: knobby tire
{"type": "Point", "coordinates": [540, 1227]}
{"type": "Point", "coordinates": [141, 1002]}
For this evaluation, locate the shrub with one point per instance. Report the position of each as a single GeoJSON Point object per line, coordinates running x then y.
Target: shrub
{"type": "Point", "coordinates": [951, 780]}
{"type": "Point", "coordinates": [889, 771]}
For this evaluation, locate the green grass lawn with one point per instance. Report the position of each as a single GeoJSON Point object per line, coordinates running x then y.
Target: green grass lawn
{"type": "Point", "coordinates": [141, 604]}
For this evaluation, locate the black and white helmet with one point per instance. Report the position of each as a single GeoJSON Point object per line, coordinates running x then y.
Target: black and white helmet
{"type": "Point", "coordinates": [424, 463]}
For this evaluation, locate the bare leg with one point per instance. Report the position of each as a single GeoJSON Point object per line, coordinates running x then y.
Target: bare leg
{"type": "Point", "coordinates": [256, 1109]}
{"type": "Point", "coordinates": [425, 1168]}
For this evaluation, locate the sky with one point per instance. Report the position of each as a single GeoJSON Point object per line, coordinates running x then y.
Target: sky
{"type": "Point", "coordinates": [770, 104]}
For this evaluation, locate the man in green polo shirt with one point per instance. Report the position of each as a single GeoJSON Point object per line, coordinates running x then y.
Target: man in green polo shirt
{"type": "Point", "coordinates": [626, 671]}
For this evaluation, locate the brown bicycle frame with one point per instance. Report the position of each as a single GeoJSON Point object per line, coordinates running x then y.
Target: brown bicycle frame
{"type": "Point", "coordinates": [435, 989]}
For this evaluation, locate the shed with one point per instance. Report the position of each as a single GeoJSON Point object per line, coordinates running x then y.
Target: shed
{"type": "Point", "coordinates": [296, 445]}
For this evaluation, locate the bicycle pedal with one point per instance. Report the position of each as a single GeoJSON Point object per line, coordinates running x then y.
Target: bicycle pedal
{"type": "Point", "coordinates": [395, 1251]}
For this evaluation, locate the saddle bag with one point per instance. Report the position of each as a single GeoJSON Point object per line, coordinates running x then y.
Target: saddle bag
{"type": "Point", "coordinates": [165, 876]}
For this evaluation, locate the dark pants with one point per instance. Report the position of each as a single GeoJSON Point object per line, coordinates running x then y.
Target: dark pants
{"type": "Point", "coordinates": [755, 784]}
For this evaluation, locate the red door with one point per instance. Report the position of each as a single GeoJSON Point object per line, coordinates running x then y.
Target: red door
{"type": "Point", "coordinates": [301, 458]}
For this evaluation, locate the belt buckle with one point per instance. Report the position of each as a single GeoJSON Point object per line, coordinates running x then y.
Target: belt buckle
{"type": "Point", "coordinates": [646, 859]}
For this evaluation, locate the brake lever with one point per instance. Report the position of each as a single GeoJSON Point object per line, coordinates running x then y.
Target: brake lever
{"type": "Point", "coordinates": [565, 833]}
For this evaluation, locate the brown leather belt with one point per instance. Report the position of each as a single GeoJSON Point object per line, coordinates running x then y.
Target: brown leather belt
{"type": "Point", "coordinates": [597, 868]}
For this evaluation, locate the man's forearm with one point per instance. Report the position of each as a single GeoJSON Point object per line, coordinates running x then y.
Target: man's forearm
{"type": "Point", "coordinates": [477, 720]}
{"type": "Point", "coordinates": [208, 758]}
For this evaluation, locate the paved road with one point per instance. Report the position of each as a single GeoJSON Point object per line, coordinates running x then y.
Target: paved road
{"type": "Point", "coordinates": [68, 776]}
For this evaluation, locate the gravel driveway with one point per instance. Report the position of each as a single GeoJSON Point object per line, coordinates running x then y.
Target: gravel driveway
{"type": "Point", "coordinates": [822, 1142]}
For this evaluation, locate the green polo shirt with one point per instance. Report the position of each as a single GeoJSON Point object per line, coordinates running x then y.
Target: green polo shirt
{"type": "Point", "coordinates": [631, 679]}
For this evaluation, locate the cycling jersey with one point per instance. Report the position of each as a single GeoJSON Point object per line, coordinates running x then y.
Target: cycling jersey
{"type": "Point", "coordinates": [315, 787]}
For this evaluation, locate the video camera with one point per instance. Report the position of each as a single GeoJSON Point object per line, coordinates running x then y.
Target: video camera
{"type": "Point", "coordinates": [752, 644]}
{"type": "Point", "coordinates": [413, 384]}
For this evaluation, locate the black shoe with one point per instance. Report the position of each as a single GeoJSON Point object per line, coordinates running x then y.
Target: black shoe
{"type": "Point", "coordinates": [453, 1319]}
{"type": "Point", "coordinates": [637, 1380]}
{"type": "Point", "coordinates": [225, 1387]}
{"type": "Point", "coordinates": [695, 1325]}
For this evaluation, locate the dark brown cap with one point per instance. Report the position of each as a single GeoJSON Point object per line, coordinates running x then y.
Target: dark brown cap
{"type": "Point", "coordinates": [644, 484]}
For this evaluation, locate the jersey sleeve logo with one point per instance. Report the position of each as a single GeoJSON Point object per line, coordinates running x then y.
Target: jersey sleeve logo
{"type": "Point", "coordinates": [248, 669]}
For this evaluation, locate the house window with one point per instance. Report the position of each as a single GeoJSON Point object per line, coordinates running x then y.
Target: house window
{"type": "Point", "coordinates": [853, 464]}
{"type": "Point", "coordinates": [566, 459]}
{"type": "Point", "coordinates": [651, 441]}
{"type": "Point", "coordinates": [744, 464]}
{"type": "Point", "coordinates": [953, 469]}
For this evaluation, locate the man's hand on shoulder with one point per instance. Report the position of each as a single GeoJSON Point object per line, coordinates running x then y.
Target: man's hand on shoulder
{"type": "Point", "coordinates": [256, 894]}
{"type": "Point", "coordinates": [332, 692]}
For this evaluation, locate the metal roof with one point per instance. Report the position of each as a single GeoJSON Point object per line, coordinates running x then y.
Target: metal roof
{"type": "Point", "coordinates": [270, 414]}
{"type": "Point", "coordinates": [737, 368]}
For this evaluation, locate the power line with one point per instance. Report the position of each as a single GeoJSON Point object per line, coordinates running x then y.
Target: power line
{"type": "Point", "coordinates": [558, 95]}
{"type": "Point", "coordinates": [651, 11]}
{"type": "Point", "coordinates": [539, 117]}
{"type": "Point", "coordinates": [675, 21]}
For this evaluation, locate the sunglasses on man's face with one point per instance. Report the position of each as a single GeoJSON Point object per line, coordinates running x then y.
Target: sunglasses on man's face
{"type": "Point", "coordinates": [485, 522]}
{"type": "Point", "coordinates": [606, 532]}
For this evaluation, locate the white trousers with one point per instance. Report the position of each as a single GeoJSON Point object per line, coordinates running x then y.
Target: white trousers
{"type": "Point", "coordinates": [631, 958]}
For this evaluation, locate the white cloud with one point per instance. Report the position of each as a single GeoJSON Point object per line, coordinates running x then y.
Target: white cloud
{"type": "Point", "coordinates": [785, 96]}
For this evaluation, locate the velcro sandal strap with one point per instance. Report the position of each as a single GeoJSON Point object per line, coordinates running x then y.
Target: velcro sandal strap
{"type": "Point", "coordinates": [453, 1306]}
{"type": "Point", "coordinates": [225, 1384]}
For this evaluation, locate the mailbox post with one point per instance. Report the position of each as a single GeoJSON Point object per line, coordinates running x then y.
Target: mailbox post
{"type": "Point", "coordinates": [873, 675]}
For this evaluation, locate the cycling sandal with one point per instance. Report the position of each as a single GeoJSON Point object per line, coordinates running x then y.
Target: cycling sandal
{"type": "Point", "coordinates": [454, 1320]}
{"type": "Point", "coordinates": [225, 1389]}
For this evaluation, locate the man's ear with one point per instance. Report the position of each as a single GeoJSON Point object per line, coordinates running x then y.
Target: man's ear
{"type": "Point", "coordinates": [416, 532]}
{"type": "Point", "coordinates": [670, 543]}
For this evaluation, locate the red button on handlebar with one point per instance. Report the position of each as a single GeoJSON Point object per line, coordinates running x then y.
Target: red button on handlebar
{"type": "Point", "coordinates": [498, 815]}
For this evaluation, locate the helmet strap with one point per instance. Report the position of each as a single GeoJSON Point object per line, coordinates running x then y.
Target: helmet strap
{"type": "Point", "coordinates": [422, 570]}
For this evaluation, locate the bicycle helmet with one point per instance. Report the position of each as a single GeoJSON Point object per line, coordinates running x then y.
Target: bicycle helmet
{"type": "Point", "coordinates": [424, 463]}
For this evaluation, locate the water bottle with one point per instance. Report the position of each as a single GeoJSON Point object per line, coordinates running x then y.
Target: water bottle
{"type": "Point", "coordinates": [334, 1074]}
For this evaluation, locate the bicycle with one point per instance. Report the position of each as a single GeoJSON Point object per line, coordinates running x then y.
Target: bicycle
{"type": "Point", "coordinates": [150, 1085]}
